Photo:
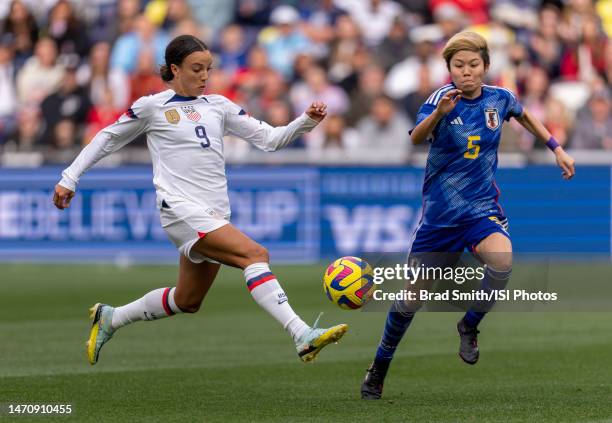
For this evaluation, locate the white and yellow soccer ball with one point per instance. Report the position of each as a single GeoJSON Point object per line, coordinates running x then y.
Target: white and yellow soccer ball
{"type": "Point", "coordinates": [348, 282]}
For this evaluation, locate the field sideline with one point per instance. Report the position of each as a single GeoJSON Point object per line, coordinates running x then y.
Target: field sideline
{"type": "Point", "coordinates": [231, 362]}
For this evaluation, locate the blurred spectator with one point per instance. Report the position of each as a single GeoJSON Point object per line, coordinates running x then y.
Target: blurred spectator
{"type": "Point", "coordinates": [545, 47]}
{"type": "Point", "coordinates": [375, 18]}
{"type": "Point", "coordinates": [586, 59]}
{"type": "Point", "coordinates": [98, 75]}
{"type": "Point", "coordinates": [127, 12]}
{"type": "Point", "coordinates": [413, 101]}
{"type": "Point", "coordinates": [321, 18]}
{"type": "Point", "coordinates": [514, 75]}
{"type": "Point", "coordinates": [279, 113]}
{"type": "Point", "coordinates": [168, 13]}
{"type": "Point", "coordinates": [103, 17]}
{"type": "Point", "coordinates": [284, 40]}
{"type": "Point", "coordinates": [301, 65]}
{"type": "Point", "coordinates": [70, 103]}
{"type": "Point", "coordinates": [232, 50]}
{"type": "Point", "coordinates": [28, 130]}
{"type": "Point", "coordinates": [385, 128]}
{"type": "Point", "coordinates": [594, 123]}
{"type": "Point", "coordinates": [220, 82]}
{"type": "Point", "coordinates": [273, 88]}
{"type": "Point", "coordinates": [8, 99]}
{"type": "Point", "coordinates": [416, 12]}
{"type": "Point", "coordinates": [253, 12]}
{"type": "Point", "coordinates": [101, 115]}
{"type": "Point", "coordinates": [534, 99]}
{"type": "Point", "coordinates": [476, 10]}
{"type": "Point", "coordinates": [450, 20]}
{"type": "Point", "coordinates": [395, 47]}
{"type": "Point", "coordinates": [344, 47]}
{"type": "Point", "coordinates": [145, 35]}
{"type": "Point", "coordinates": [557, 120]}
{"type": "Point", "coordinates": [403, 77]}
{"type": "Point", "coordinates": [63, 138]}
{"type": "Point", "coordinates": [20, 23]}
{"type": "Point", "coordinates": [67, 31]}
{"type": "Point", "coordinates": [41, 74]}
{"type": "Point", "coordinates": [360, 59]}
{"type": "Point", "coordinates": [371, 86]}
{"type": "Point", "coordinates": [145, 80]}
{"type": "Point", "coordinates": [334, 135]}
{"type": "Point", "coordinates": [316, 86]}
{"type": "Point", "coordinates": [249, 79]}
{"type": "Point", "coordinates": [214, 14]}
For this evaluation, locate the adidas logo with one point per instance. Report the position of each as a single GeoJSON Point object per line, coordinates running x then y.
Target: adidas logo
{"type": "Point", "coordinates": [457, 121]}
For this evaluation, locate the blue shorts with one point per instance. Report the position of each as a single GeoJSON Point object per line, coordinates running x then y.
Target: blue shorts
{"type": "Point", "coordinates": [456, 239]}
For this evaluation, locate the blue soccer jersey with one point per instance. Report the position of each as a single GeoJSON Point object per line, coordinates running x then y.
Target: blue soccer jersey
{"type": "Point", "coordinates": [459, 181]}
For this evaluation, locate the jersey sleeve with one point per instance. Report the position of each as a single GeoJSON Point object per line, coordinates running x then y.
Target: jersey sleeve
{"type": "Point", "coordinates": [110, 139]}
{"type": "Point", "coordinates": [424, 111]}
{"type": "Point", "coordinates": [514, 108]}
{"type": "Point", "coordinates": [262, 135]}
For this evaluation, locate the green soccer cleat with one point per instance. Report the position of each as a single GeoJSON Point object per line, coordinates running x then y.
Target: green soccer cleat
{"type": "Point", "coordinates": [314, 339]}
{"type": "Point", "coordinates": [101, 316]}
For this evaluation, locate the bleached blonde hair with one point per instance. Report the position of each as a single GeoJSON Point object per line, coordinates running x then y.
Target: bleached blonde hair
{"type": "Point", "coordinates": [469, 41]}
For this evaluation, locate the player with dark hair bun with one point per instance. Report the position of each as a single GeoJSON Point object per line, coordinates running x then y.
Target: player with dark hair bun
{"type": "Point", "coordinates": [185, 131]}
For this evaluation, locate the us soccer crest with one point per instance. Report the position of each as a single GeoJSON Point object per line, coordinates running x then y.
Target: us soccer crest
{"type": "Point", "coordinates": [172, 116]}
{"type": "Point", "coordinates": [492, 118]}
{"type": "Point", "coordinates": [191, 113]}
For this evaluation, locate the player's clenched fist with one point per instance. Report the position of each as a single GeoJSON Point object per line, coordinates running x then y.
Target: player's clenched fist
{"type": "Point", "coordinates": [62, 197]}
{"type": "Point", "coordinates": [317, 111]}
{"type": "Point", "coordinates": [448, 102]}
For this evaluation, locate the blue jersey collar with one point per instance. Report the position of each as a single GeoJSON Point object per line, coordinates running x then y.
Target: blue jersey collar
{"type": "Point", "coordinates": [473, 100]}
{"type": "Point", "coordinates": [177, 97]}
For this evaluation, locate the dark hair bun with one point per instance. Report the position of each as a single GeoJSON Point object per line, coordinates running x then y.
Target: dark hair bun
{"type": "Point", "coordinates": [166, 73]}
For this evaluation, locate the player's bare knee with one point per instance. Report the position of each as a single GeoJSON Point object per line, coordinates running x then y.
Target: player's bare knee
{"type": "Point", "coordinates": [501, 262]}
{"type": "Point", "coordinates": [257, 254]}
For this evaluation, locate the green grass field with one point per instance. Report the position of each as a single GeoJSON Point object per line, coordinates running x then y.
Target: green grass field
{"type": "Point", "coordinates": [231, 362]}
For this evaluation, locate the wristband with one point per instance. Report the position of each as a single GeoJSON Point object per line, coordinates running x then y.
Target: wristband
{"type": "Point", "coordinates": [552, 143]}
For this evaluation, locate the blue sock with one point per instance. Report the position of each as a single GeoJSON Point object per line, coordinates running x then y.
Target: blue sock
{"type": "Point", "coordinates": [493, 280]}
{"type": "Point", "coordinates": [398, 320]}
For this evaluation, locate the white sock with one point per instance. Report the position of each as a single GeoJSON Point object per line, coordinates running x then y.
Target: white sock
{"type": "Point", "coordinates": [154, 305]}
{"type": "Point", "coordinates": [267, 292]}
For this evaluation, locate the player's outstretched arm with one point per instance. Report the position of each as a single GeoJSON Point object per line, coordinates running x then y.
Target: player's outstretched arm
{"type": "Point", "coordinates": [446, 104]}
{"type": "Point", "coordinates": [564, 160]}
{"type": "Point", "coordinates": [105, 142]}
{"type": "Point", "coordinates": [269, 138]}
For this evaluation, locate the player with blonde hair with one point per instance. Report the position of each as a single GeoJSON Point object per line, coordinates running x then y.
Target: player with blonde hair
{"type": "Point", "coordinates": [462, 122]}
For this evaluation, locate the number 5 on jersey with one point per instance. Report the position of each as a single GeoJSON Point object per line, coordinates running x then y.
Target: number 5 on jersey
{"type": "Point", "coordinates": [472, 149]}
{"type": "Point", "coordinates": [201, 133]}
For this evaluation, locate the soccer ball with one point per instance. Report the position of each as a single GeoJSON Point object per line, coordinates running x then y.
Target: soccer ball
{"type": "Point", "coordinates": [348, 282]}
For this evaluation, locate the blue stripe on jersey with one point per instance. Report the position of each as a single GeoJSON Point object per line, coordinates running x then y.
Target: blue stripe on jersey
{"type": "Point", "coordinates": [131, 113]}
{"type": "Point", "coordinates": [459, 181]}
{"type": "Point", "coordinates": [177, 97]}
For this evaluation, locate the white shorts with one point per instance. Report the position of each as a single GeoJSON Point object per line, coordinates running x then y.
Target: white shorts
{"type": "Point", "coordinates": [186, 223]}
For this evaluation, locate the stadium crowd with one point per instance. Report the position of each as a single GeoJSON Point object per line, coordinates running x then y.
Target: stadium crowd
{"type": "Point", "coordinates": [70, 67]}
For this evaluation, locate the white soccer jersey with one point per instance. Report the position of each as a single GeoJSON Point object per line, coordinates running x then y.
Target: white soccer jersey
{"type": "Point", "coordinates": [185, 138]}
